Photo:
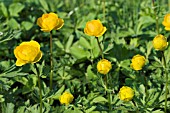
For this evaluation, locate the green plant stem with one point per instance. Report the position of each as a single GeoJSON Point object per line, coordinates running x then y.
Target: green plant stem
{"type": "Point", "coordinates": [51, 61]}
{"type": "Point", "coordinates": [39, 85]}
{"type": "Point", "coordinates": [146, 86]}
{"type": "Point", "coordinates": [156, 17]}
{"type": "Point", "coordinates": [134, 104]}
{"type": "Point", "coordinates": [166, 77]}
{"type": "Point", "coordinates": [108, 93]}
{"type": "Point", "coordinates": [145, 83]}
{"type": "Point", "coordinates": [104, 9]}
{"type": "Point", "coordinates": [101, 52]}
{"type": "Point", "coordinates": [169, 5]}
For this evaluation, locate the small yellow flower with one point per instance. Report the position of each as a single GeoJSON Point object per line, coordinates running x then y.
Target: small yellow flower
{"type": "Point", "coordinates": [104, 66]}
{"type": "Point", "coordinates": [49, 22]}
{"type": "Point", "coordinates": [94, 28]}
{"type": "Point", "coordinates": [166, 21]}
{"type": "Point", "coordinates": [66, 98]}
{"type": "Point", "coordinates": [160, 43]}
{"type": "Point", "coordinates": [126, 93]}
{"type": "Point", "coordinates": [138, 61]}
{"type": "Point", "coordinates": [27, 52]}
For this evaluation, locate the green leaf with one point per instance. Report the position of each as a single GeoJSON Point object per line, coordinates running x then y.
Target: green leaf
{"type": "Point", "coordinates": [44, 4]}
{"type": "Point", "coordinates": [58, 93]}
{"type": "Point", "coordinates": [41, 67]}
{"type": "Point", "coordinates": [20, 79]}
{"type": "Point", "coordinates": [95, 47]}
{"type": "Point", "coordinates": [91, 109]}
{"type": "Point", "coordinates": [59, 44]}
{"type": "Point", "coordinates": [84, 43]}
{"type": "Point", "coordinates": [79, 52]}
{"type": "Point", "coordinates": [15, 8]}
{"type": "Point", "coordinates": [167, 54]}
{"type": "Point", "coordinates": [4, 65]}
{"type": "Point", "coordinates": [9, 108]}
{"type": "Point", "coordinates": [72, 111]}
{"type": "Point", "coordinates": [13, 23]}
{"type": "Point", "coordinates": [99, 99]}
{"type": "Point", "coordinates": [125, 64]}
{"type": "Point", "coordinates": [13, 74]}
{"type": "Point", "coordinates": [21, 109]}
{"type": "Point", "coordinates": [30, 85]}
{"type": "Point", "coordinates": [158, 111]}
{"type": "Point", "coordinates": [69, 43]}
{"type": "Point", "coordinates": [1, 98]}
{"type": "Point", "coordinates": [4, 9]}
{"type": "Point", "coordinates": [27, 25]}
{"type": "Point", "coordinates": [144, 22]}
{"type": "Point", "coordinates": [90, 74]}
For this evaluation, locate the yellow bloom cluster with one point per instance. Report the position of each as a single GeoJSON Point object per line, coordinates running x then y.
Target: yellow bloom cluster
{"type": "Point", "coordinates": [126, 93]}
{"type": "Point", "coordinates": [160, 43]}
{"type": "Point", "coordinates": [49, 22]}
{"type": "Point", "coordinates": [138, 61]}
{"type": "Point", "coordinates": [94, 28]}
{"type": "Point", "coordinates": [104, 66]}
{"type": "Point", "coordinates": [166, 21]}
{"type": "Point", "coordinates": [66, 98]}
{"type": "Point", "coordinates": [27, 52]}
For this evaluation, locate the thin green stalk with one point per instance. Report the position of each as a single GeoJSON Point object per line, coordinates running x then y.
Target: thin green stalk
{"type": "Point", "coordinates": [166, 77]}
{"type": "Point", "coordinates": [134, 104]}
{"type": "Point", "coordinates": [145, 83]}
{"type": "Point", "coordinates": [101, 52]}
{"type": "Point", "coordinates": [51, 61]}
{"type": "Point", "coordinates": [109, 97]}
{"type": "Point", "coordinates": [156, 17]}
{"type": "Point", "coordinates": [39, 85]}
{"type": "Point", "coordinates": [104, 9]}
{"type": "Point", "coordinates": [110, 102]}
{"type": "Point", "coordinates": [146, 86]}
{"type": "Point", "coordinates": [169, 5]}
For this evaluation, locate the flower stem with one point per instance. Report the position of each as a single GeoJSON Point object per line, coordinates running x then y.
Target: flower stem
{"type": "Point", "coordinates": [104, 9]}
{"type": "Point", "coordinates": [101, 52]}
{"type": "Point", "coordinates": [145, 84]}
{"type": "Point", "coordinates": [39, 85]}
{"type": "Point", "coordinates": [135, 105]}
{"type": "Point", "coordinates": [51, 62]}
{"type": "Point", "coordinates": [166, 77]}
{"type": "Point", "coordinates": [156, 17]}
{"type": "Point", "coordinates": [109, 96]}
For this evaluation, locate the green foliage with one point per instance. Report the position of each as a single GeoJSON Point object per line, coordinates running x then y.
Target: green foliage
{"type": "Point", "coordinates": [131, 27]}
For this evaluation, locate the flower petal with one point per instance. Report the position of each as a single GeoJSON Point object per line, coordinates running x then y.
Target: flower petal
{"type": "Point", "coordinates": [38, 57]}
{"type": "Point", "coordinates": [167, 28]}
{"type": "Point", "coordinates": [39, 22]}
{"type": "Point", "coordinates": [60, 24]}
{"type": "Point", "coordinates": [53, 14]}
{"type": "Point", "coordinates": [31, 43]}
{"type": "Point", "coordinates": [16, 52]}
{"type": "Point", "coordinates": [104, 29]}
{"type": "Point", "coordinates": [45, 30]}
{"type": "Point", "coordinates": [20, 62]}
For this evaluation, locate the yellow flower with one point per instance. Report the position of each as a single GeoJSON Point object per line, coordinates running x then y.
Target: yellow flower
{"type": "Point", "coordinates": [166, 21]}
{"type": "Point", "coordinates": [126, 93]}
{"type": "Point", "coordinates": [94, 28]}
{"type": "Point", "coordinates": [138, 61]}
{"type": "Point", "coordinates": [104, 66]}
{"type": "Point", "coordinates": [66, 98]}
{"type": "Point", "coordinates": [27, 52]}
{"type": "Point", "coordinates": [49, 22]}
{"type": "Point", "coordinates": [160, 42]}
